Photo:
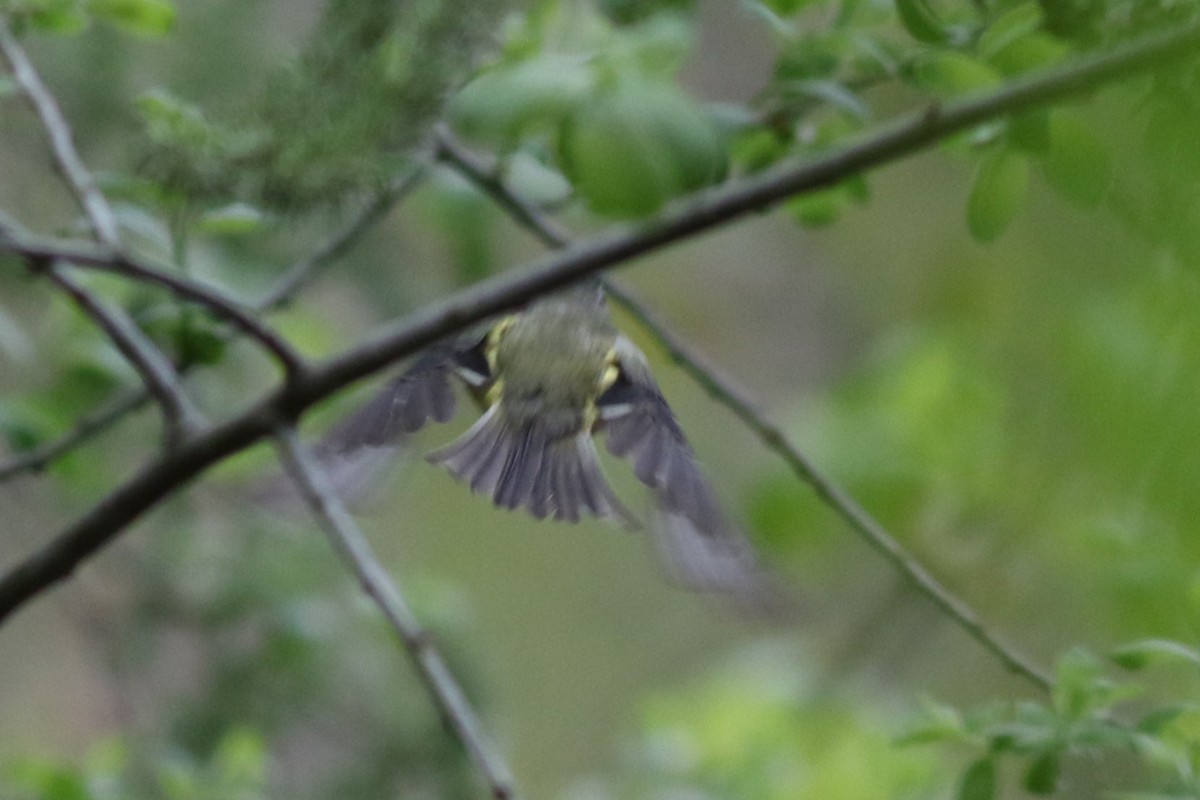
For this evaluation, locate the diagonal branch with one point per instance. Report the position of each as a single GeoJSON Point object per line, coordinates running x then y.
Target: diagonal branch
{"type": "Point", "coordinates": [725, 392]}
{"type": "Point", "coordinates": [834, 496]}
{"type": "Point", "coordinates": [159, 375]}
{"type": "Point", "coordinates": [85, 428]}
{"type": "Point", "coordinates": [296, 278]}
{"type": "Point", "coordinates": [157, 372]}
{"type": "Point", "coordinates": [105, 521]}
{"type": "Point", "coordinates": [134, 268]}
{"type": "Point", "coordinates": [66, 157]}
{"type": "Point", "coordinates": [352, 546]}
{"type": "Point", "coordinates": [305, 270]}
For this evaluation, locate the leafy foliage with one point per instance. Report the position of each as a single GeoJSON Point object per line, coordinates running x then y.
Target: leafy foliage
{"type": "Point", "coordinates": [1029, 426]}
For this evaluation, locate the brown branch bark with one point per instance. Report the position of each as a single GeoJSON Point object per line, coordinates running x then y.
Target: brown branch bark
{"type": "Point", "coordinates": [112, 515]}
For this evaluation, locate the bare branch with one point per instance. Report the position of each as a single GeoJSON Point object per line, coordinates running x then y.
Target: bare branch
{"type": "Point", "coordinates": [486, 178]}
{"type": "Point", "coordinates": [833, 495]}
{"type": "Point", "coordinates": [733, 398]}
{"type": "Point", "coordinates": [158, 373]}
{"type": "Point", "coordinates": [93, 203]}
{"type": "Point", "coordinates": [349, 542]}
{"type": "Point", "coordinates": [42, 457]}
{"type": "Point", "coordinates": [296, 278]}
{"type": "Point", "coordinates": [134, 268]}
{"type": "Point", "coordinates": [305, 270]}
{"type": "Point", "coordinates": [99, 526]}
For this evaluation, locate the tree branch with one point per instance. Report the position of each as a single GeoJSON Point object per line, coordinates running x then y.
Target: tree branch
{"type": "Point", "coordinates": [349, 542]}
{"type": "Point", "coordinates": [43, 456]}
{"type": "Point", "coordinates": [62, 144]}
{"type": "Point", "coordinates": [733, 398]}
{"type": "Point", "coordinates": [107, 519]}
{"type": "Point", "coordinates": [133, 268]}
{"type": "Point", "coordinates": [295, 279]}
{"type": "Point", "coordinates": [304, 271]}
{"type": "Point", "coordinates": [157, 372]}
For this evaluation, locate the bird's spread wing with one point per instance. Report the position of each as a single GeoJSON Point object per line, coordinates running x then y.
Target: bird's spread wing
{"type": "Point", "coordinates": [528, 467]}
{"type": "Point", "coordinates": [700, 547]}
{"type": "Point", "coordinates": [357, 452]}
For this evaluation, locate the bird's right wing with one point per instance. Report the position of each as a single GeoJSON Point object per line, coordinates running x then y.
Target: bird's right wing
{"type": "Point", "coordinates": [699, 546]}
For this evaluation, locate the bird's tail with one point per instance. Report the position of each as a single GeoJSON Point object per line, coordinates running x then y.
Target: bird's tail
{"type": "Point", "coordinates": [524, 467]}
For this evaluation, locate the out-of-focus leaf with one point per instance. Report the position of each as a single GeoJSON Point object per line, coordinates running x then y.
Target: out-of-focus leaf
{"type": "Point", "coordinates": [997, 194]}
{"type": "Point", "coordinates": [1042, 775]}
{"type": "Point", "coordinates": [979, 781]}
{"type": "Point", "coordinates": [921, 21]}
{"type": "Point", "coordinates": [1014, 24]}
{"type": "Point", "coordinates": [152, 19]}
{"type": "Point", "coordinates": [1077, 164]}
{"type": "Point", "coordinates": [1030, 131]}
{"type": "Point", "coordinates": [953, 73]}
{"type": "Point", "coordinates": [499, 106]}
{"type": "Point", "coordinates": [937, 722]}
{"type": "Point", "coordinates": [534, 181]}
{"type": "Point", "coordinates": [835, 94]}
{"type": "Point", "coordinates": [1035, 51]}
{"type": "Point", "coordinates": [633, 148]}
{"type": "Point", "coordinates": [656, 48]}
{"type": "Point", "coordinates": [627, 12]}
{"type": "Point", "coordinates": [1137, 655]}
{"type": "Point", "coordinates": [783, 29]}
{"type": "Point", "coordinates": [236, 219]}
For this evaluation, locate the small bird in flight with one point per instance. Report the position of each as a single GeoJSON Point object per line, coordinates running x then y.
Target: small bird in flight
{"type": "Point", "coordinates": [549, 377]}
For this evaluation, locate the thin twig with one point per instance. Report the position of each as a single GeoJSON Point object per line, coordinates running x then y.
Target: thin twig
{"type": "Point", "coordinates": [91, 425]}
{"type": "Point", "coordinates": [66, 157]}
{"type": "Point", "coordinates": [134, 268]}
{"type": "Point", "coordinates": [355, 551]}
{"type": "Point", "coordinates": [157, 372]}
{"type": "Point", "coordinates": [486, 177]}
{"type": "Point", "coordinates": [296, 278]}
{"type": "Point", "coordinates": [725, 392]}
{"type": "Point", "coordinates": [830, 493]}
{"type": "Point", "coordinates": [159, 375]}
{"type": "Point", "coordinates": [105, 521]}
{"type": "Point", "coordinates": [306, 270]}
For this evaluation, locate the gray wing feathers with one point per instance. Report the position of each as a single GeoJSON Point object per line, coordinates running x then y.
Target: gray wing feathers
{"type": "Point", "coordinates": [421, 393]}
{"type": "Point", "coordinates": [525, 468]}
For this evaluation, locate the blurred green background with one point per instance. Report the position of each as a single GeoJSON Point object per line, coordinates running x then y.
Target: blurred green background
{"type": "Point", "coordinates": [1022, 415]}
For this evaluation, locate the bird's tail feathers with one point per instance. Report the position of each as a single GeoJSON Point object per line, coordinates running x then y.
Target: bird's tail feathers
{"type": "Point", "coordinates": [524, 467]}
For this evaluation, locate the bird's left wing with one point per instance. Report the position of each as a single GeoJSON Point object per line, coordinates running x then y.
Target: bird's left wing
{"type": "Point", "coordinates": [701, 548]}
{"type": "Point", "coordinates": [356, 452]}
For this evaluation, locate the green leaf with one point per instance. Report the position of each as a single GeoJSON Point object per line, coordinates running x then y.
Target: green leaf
{"type": "Point", "coordinates": [1077, 164]}
{"type": "Point", "coordinates": [1030, 131]}
{"type": "Point", "coordinates": [236, 219]}
{"type": "Point", "coordinates": [997, 194]}
{"type": "Point", "coordinates": [921, 22]}
{"type": "Point", "coordinates": [1042, 775]}
{"type": "Point", "coordinates": [1011, 26]}
{"type": "Point", "coordinates": [636, 146]}
{"type": "Point", "coordinates": [1155, 721]}
{"type": "Point", "coordinates": [937, 722]}
{"type": "Point", "coordinates": [59, 20]}
{"type": "Point", "coordinates": [1136, 655]}
{"type": "Point", "coordinates": [503, 104]}
{"type": "Point", "coordinates": [152, 19]}
{"type": "Point", "coordinates": [952, 73]}
{"type": "Point", "coordinates": [979, 781]}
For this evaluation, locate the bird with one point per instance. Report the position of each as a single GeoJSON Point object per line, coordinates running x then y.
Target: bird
{"type": "Point", "coordinates": [550, 378]}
